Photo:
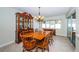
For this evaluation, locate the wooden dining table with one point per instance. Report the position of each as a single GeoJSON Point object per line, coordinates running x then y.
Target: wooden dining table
{"type": "Point", "coordinates": [36, 35]}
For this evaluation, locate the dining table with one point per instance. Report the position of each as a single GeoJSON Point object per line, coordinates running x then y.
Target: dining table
{"type": "Point", "coordinates": [41, 38]}
{"type": "Point", "coordinates": [36, 35]}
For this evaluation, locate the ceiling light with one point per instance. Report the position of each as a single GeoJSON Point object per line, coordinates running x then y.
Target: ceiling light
{"type": "Point", "coordinates": [39, 18]}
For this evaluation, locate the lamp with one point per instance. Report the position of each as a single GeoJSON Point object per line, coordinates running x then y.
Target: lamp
{"type": "Point", "coordinates": [39, 18]}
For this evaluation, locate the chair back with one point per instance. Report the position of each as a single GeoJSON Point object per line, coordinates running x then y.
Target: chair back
{"type": "Point", "coordinates": [29, 43]}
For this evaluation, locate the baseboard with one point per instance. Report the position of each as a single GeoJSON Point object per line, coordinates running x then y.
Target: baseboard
{"type": "Point", "coordinates": [61, 35]}
{"type": "Point", "coordinates": [3, 45]}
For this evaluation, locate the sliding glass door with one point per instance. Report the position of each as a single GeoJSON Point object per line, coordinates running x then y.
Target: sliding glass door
{"type": "Point", "coordinates": [71, 28]}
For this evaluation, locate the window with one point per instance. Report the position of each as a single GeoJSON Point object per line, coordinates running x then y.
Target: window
{"type": "Point", "coordinates": [57, 26]}
{"type": "Point", "coordinates": [74, 26]}
{"type": "Point", "coordinates": [47, 25]}
{"type": "Point", "coordinates": [43, 25]}
{"type": "Point", "coordinates": [52, 24]}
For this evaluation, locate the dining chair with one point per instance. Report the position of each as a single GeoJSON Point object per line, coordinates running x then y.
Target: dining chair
{"type": "Point", "coordinates": [29, 44]}
{"type": "Point", "coordinates": [43, 45]}
{"type": "Point", "coordinates": [51, 38]}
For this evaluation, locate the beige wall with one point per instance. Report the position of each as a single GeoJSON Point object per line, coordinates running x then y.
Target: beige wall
{"type": "Point", "coordinates": [7, 25]}
{"type": "Point", "coordinates": [63, 30]}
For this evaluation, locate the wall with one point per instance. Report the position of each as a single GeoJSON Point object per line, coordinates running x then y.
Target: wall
{"type": "Point", "coordinates": [70, 12]}
{"type": "Point", "coordinates": [7, 25]}
{"type": "Point", "coordinates": [77, 30]}
{"type": "Point", "coordinates": [63, 30]}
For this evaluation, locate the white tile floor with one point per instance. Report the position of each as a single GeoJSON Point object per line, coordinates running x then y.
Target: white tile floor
{"type": "Point", "coordinates": [61, 44]}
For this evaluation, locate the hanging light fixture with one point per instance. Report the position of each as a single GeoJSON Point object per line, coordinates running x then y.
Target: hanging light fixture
{"type": "Point", "coordinates": [39, 18]}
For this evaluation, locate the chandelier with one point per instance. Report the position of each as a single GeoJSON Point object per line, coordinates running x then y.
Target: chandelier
{"type": "Point", "coordinates": [39, 18]}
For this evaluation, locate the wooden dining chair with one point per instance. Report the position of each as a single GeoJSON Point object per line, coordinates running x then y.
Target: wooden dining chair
{"type": "Point", "coordinates": [29, 44]}
{"type": "Point", "coordinates": [51, 38]}
{"type": "Point", "coordinates": [43, 45]}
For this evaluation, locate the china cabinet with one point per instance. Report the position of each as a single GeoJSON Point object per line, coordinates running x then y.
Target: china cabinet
{"type": "Point", "coordinates": [24, 22]}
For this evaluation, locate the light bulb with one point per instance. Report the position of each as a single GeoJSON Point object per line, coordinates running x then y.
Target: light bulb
{"type": "Point", "coordinates": [39, 16]}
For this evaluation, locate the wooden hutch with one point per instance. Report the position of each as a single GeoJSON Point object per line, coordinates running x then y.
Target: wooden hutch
{"type": "Point", "coordinates": [24, 22]}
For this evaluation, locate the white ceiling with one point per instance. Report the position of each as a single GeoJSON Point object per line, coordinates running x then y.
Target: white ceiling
{"type": "Point", "coordinates": [45, 11]}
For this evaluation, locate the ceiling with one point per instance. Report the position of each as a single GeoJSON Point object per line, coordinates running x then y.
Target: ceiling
{"type": "Point", "coordinates": [45, 11]}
